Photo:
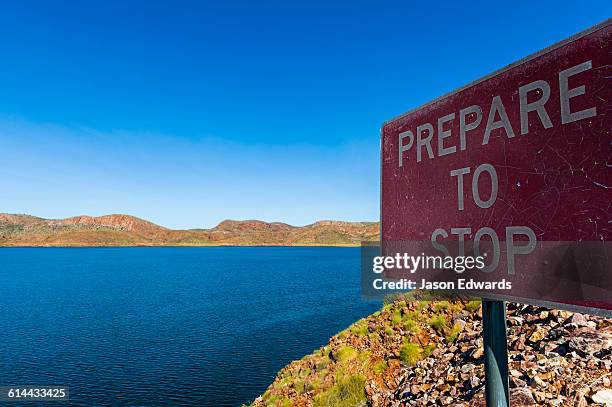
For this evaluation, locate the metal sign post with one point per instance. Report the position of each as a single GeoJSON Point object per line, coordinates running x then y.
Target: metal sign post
{"type": "Point", "coordinates": [496, 353]}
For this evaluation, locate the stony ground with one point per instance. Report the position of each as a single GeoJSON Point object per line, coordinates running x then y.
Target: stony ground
{"type": "Point", "coordinates": [430, 353]}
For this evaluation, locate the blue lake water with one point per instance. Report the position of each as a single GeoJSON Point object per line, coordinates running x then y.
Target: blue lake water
{"type": "Point", "coordinates": [169, 326]}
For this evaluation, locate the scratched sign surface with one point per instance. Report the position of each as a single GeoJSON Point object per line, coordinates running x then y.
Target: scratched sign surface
{"type": "Point", "coordinates": [524, 154]}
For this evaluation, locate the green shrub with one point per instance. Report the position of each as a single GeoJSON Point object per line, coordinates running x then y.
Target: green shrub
{"type": "Point", "coordinates": [411, 353]}
{"type": "Point", "coordinates": [380, 367]}
{"type": "Point", "coordinates": [472, 305]}
{"type": "Point", "coordinates": [346, 353]}
{"type": "Point", "coordinates": [411, 326]}
{"type": "Point", "coordinates": [272, 401]}
{"type": "Point", "coordinates": [389, 330]}
{"type": "Point", "coordinates": [322, 364]}
{"type": "Point", "coordinates": [299, 386]}
{"type": "Point", "coordinates": [364, 356]}
{"type": "Point", "coordinates": [397, 317]}
{"type": "Point", "coordinates": [453, 334]}
{"type": "Point", "coordinates": [361, 330]}
{"type": "Point", "coordinates": [442, 305]}
{"type": "Point", "coordinates": [318, 379]}
{"type": "Point", "coordinates": [414, 315]}
{"type": "Point", "coordinates": [422, 305]}
{"type": "Point", "coordinates": [347, 392]}
{"type": "Point", "coordinates": [438, 322]}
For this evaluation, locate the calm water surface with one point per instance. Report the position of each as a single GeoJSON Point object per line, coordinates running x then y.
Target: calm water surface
{"type": "Point", "coordinates": [169, 326]}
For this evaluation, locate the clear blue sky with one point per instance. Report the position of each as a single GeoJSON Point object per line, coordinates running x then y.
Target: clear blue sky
{"type": "Point", "coordinates": [187, 113]}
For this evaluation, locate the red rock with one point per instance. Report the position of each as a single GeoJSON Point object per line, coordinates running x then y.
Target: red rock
{"type": "Point", "coordinates": [522, 397]}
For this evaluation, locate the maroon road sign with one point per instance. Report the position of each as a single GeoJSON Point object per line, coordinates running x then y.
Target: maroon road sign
{"type": "Point", "coordinates": [522, 157]}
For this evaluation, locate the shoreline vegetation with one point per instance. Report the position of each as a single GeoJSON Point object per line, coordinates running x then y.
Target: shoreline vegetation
{"type": "Point", "coordinates": [17, 230]}
{"type": "Point", "coordinates": [416, 351]}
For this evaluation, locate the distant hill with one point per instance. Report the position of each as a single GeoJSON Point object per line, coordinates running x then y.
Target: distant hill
{"type": "Point", "coordinates": [126, 230]}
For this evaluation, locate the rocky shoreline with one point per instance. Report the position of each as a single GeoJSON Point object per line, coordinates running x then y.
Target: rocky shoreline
{"type": "Point", "coordinates": [420, 352]}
